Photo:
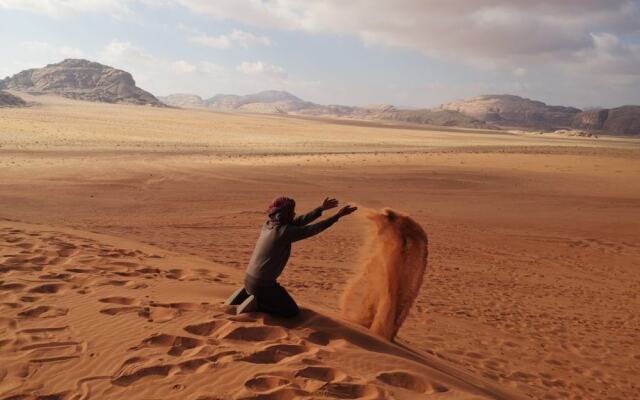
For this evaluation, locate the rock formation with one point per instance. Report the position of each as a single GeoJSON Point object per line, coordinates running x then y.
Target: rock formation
{"type": "Point", "coordinates": [623, 120]}
{"type": "Point", "coordinates": [183, 100]}
{"type": "Point", "coordinates": [281, 102]}
{"type": "Point", "coordinates": [514, 111]}
{"type": "Point", "coordinates": [83, 80]}
{"type": "Point", "coordinates": [9, 100]}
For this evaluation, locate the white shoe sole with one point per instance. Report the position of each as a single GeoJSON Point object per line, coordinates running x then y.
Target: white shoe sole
{"type": "Point", "coordinates": [249, 305]}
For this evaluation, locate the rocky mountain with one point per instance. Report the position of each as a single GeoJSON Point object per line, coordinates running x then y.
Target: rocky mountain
{"type": "Point", "coordinates": [83, 80]}
{"type": "Point", "coordinates": [432, 117]}
{"type": "Point", "coordinates": [623, 120]}
{"type": "Point", "coordinates": [9, 100]}
{"type": "Point", "coordinates": [232, 101]}
{"type": "Point", "coordinates": [269, 101]}
{"type": "Point", "coordinates": [183, 100]}
{"type": "Point", "coordinates": [488, 111]}
{"type": "Point", "coordinates": [514, 111]}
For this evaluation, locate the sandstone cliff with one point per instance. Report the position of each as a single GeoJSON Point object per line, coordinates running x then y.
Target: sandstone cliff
{"type": "Point", "coordinates": [623, 120]}
{"type": "Point", "coordinates": [514, 111]}
{"type": "Point", "coordinates": [83, 80]}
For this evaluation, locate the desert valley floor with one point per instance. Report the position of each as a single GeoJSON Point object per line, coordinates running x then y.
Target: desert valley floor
{"type": "Point", "coordinates": [123, 228]}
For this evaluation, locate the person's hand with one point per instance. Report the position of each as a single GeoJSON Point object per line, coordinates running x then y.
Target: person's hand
{"type": "Point", "coordinates": [329, 203]}
{"type": "Point", "coordinates": [346, 210]}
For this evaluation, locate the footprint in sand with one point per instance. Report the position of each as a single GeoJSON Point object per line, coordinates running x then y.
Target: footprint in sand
{"type": "Point", "coordinates": [319, 373]}
{"type": "Point", "coordinates": [126, 301]}
{"type": "Point", "coordinates": [176, 344]}
{"type": "Point", "coordinates": [182, 306]}
{"type": "Point", "coordinates": [199, 357]}
{"type": "Point", "coordinates": [175, 274]}
{"type": "Point", "coordinates": [67, 252]}
{"type": "Point", "coordinates": [7, 324]}
{"type": "Point", "coordinates": [321, 338]}
{"type": "Point", "coordinates": [55, 276]}
{"type": "Point", "coordinates": [121, 310]}
{"type": "Point", "coordinates": [79, 270]}
{"type": "Point", "coordinates": [256, 333]}
{"type": "Point", "coordinates": [10, 306]}
{"type": "Point", "coordinates": [276, 353]}
{"type": "Point", "coordinates": [154, 312]}
{"type": "Point", "coordinates": [266, 383]}
{"type": "Point", "coordinates": [126, 274]}
{"type": "Point", "coordinates": [285, 393]}
{"type": "Point", "coordinates": [351, 391]}
{"type": "Point", "coordinates": [130, 264]}
{"type": "Point", "coordinates": [15, 287]}
{"type": "Point", "coordinates": [43, 312]}
{"type": "Point", "coordinates": [49, 288]}
{"type": "Point", "coordinates": [206, 328]}
{"type": "Point", "coordinates": [123, 283]}
{"type": "Point", "coordinates": [48, 345]}
{"type": "Point", "coordinates": [147, 270]}
{"type": "Point", "coordinates": [408, 381]}
{"type": "Point", "coordinates": [126, 379]}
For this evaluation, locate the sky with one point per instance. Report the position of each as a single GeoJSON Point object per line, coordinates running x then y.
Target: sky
{"type": "Point", "coordinates": [410, 53]}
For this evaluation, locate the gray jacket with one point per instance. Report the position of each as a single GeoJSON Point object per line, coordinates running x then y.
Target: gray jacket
{"type": "Point", "coordinates": [274, 244]}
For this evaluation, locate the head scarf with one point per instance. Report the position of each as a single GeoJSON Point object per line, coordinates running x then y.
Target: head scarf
{"type": "Point", "coordinates": [281, 210]}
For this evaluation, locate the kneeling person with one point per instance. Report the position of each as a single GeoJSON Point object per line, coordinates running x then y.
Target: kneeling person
{"type": "Point", "coordinates": [272, 251]}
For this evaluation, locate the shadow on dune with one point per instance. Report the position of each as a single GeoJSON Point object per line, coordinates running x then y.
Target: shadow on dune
{"type": "Point", "coordinates": [325, 327]}
{"type": "Point", "coordinates": [325, 330]}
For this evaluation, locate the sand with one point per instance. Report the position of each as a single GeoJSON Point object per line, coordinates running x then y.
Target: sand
{"type": "Point", "coordinates": [90, 316]}
{"type": "Point", "coordinates": [532, 286]}
{"type": "Point", "coordinates": [388, 279]}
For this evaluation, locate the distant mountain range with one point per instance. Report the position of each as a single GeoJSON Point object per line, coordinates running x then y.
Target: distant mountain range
{"type": "Point", "coordinates": [507, 111]}
{"type": "Point", "coordinates": [86, 80]}
{"type": "Point", "coordinates": [279, 102]}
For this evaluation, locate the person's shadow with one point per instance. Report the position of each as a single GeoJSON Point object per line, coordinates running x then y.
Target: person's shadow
{"type": "Point", "coordinates": [325, 329]}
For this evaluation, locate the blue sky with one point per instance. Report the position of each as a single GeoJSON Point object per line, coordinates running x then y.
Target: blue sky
{"type": "Point", "coordinates": [408, 53]}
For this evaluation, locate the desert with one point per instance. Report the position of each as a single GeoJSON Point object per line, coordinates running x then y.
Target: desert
{"type": "Point", "coordinates": [123, 229]}
{"type": "Point", "coordinates": [315, 200]}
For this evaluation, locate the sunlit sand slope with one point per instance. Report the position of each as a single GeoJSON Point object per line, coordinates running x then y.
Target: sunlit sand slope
{"type": "Point", "coordinates": [87, 316]}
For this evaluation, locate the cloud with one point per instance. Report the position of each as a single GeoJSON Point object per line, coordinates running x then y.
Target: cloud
{"type": "Point", "coordinates": [182, 66]}
{"type": "Point", "coordinates": [487, 33]}
{"type": "Point", "coordinates": [569, 51]}
{"type": "Point", "coordinates": [519, 71]}
{"type": "Point", "coordinates": [210, 68]}
{"type": "Point", "coordinates": [235, 38]}
{"type": "Point", "coordinates": [118, 51]}
{"type": "Point", "coordinates": [66, 8]}
{"type": "Point", "coordinates": [36, 54]}
{"type": "Point", "coordinates": [262, 69]}
{"type": "Point", "coordinates": [203, 68]}
{"type": "Point", "coordinates": [491, 32]}
{"type": "Point", "coordinates": [161, 75]}
{"type": "Point", "coordinates": [612, 57]}
{"type": "Point", "coordinates": [49, 51]}
{"type": "Point", "coordinates": [573, 51]}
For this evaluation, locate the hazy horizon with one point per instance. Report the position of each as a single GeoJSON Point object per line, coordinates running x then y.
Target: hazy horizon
{"type": "Point", "coordinates": [408, 53]}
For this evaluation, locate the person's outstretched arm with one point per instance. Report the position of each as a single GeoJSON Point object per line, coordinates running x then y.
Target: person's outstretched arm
{"type": "Point", "coordinates": [294, 233]}
{"type": "Point", "coordinates": [316, 213]}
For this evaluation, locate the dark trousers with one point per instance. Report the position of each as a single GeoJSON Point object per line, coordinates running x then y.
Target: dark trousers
{"type": "Point", "coordinates": [271, 297]}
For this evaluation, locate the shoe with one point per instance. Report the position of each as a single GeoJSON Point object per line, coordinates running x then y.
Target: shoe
{"type": "Point", "coordinates": [249, 305]}
{"type": "Point", "coordinates": [237, 297]}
